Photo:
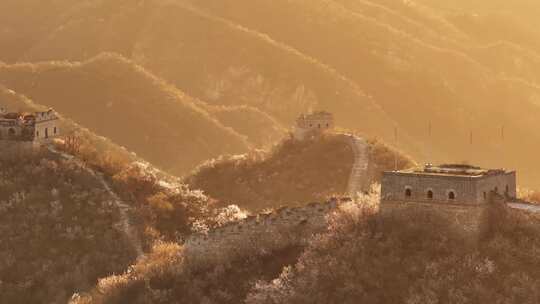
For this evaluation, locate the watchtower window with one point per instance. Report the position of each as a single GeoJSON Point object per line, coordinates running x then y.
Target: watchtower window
{"type": "Point", "coordinates": [408, 192]}
{"type": "Point", "coordinates": [55, 130]}
{"type": "Point", "coordinates": [496, 189]}
{"type": "Point", "coordinates": [507, 189]}
{"type": "Point", "coordinates": [451, 195]}
{"type": "Point", "coordinates": [485, 195]}
{"type": "Point", "coordinates": [430, 194]}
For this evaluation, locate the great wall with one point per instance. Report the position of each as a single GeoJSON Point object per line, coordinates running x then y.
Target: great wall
{"type": "Point", "coordinates": [289, 226]}
{"type": "Point", "coordinates": [523, 205]}
{"type": "Point", "coordinates": [298, 223]}
{"type": "Point", "coordinates": [359, 179]}
{"type": "Point", "coordinates": [263, 232]}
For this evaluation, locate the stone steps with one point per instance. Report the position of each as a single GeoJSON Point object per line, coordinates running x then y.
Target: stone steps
{"type": "Point", "coordinates": [359, 172]}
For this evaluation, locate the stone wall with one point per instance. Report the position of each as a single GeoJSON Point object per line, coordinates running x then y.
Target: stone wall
{"type": "Point", "coordinates": [46, 126]}
{"type": "Point", "coordinates": [471, 220]}
{"type": "Point", "coordinates": [8, 146]}
{"type": "Point", "coordinates": [283, 227]}
{"type": "Point", "coordinates": [394, 185]}
{"type": "Point", "coordinates": [497, 183]}
{"type": "Point", "coordinates": [467, 190]}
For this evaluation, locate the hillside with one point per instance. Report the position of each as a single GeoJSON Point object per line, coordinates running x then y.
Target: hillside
{"type": "Point", "coordinates": [261, 129]}
{"type": "Point", "coordinates": [69, 219]}
{"type": "Point", "coordinates": [179, 180]}
{"type": "Point", "coordinates": [411, 259]}
{"type": "Point", "coordinates": [130, 106]}
{"type": "Point", "coordinates": [263, 73]}
{"type": "Point", "coordinates": [292, 174]}
{"type": "Point", "coordinates": [413, 64]}
{"type": "Point", "coordinates": [380, 64]}
{"type": "Point", "coordinates": [405, 258]}
{"type": "Point", "coordinates": [58, 229]}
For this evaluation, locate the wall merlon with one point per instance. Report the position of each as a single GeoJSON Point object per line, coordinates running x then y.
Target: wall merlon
{"type": "Point", "coordinates": [312, 217]}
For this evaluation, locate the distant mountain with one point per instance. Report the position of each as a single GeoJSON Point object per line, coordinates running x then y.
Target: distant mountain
{"type": "Point", "coordinates": [261, 129]}
{"type": "Point", "coordinates": [462, 66]}
{"type": "Point", "coordinates": [418, 66]}
{"type": "Point", "coordinates": [220, 62]}
{"type": "Point", "coordinates": [119, 100]}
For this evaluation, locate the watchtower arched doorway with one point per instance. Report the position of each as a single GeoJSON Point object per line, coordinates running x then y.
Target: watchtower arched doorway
{"type": "Point", "coordinates": [11, 133]}
{"type": "Point", "coordinates": [408, 192]}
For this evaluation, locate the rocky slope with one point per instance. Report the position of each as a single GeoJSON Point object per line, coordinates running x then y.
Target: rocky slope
{"type": "Point", "coordinates": [57, 228]}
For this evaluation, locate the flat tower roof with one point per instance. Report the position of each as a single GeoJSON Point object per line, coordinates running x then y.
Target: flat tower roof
{"type": "Point", "coordinates": [458, 170]}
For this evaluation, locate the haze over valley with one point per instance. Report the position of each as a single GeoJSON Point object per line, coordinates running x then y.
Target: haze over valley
{"type": "Point", "coordinates": [234, 151]}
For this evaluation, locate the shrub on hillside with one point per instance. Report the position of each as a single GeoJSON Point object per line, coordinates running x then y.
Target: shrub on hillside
{"type": "Point", "coordinates": [383, 158]}
{"type": "Point", "coordinates": [162, 213]}
{"type": "Point", "coordinates": [412, 258]}
{"type": "Point", "coordinates": [293, 173]}
{"type": "Point", "coordinates": [57, 228]}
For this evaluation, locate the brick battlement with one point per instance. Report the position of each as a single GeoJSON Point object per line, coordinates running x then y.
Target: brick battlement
{"type": "Point", "coordinates": [298, 223]}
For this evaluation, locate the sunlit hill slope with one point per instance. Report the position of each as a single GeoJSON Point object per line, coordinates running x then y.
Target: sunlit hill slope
{"type": "Point", "coordinates": [463, 66]}
{"type": "Point", "coordinates": [119, 100]}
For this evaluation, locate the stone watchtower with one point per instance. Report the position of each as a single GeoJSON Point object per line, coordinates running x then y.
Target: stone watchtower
{"type": "Point", "coordinates": [461, 192]}
{"type": "Point", "coordinates": [46, 125]}
{"type": "Point", "coordinates": [314, 123]}
{"type": "Point", "coordinates": [28, 128]}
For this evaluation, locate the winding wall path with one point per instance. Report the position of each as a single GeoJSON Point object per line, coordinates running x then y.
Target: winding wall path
{"type": "Point", "coordinates": [358, 180]}
{"type": "Point", "coordinates": [124, 209]}
{"type": "Point", "coordinates": [124, 224]}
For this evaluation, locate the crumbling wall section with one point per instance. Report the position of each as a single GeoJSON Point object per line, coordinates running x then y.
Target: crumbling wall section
{"type": "Point", "coordinates": [263, 232]}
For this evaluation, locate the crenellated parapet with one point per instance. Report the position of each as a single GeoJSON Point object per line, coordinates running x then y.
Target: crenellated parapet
{"type": "Point", "coordinates": [45, 116]}
{"type": "Point", "coordinates": [296, 224]}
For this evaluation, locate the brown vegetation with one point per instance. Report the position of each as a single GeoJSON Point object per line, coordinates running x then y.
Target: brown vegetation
{"type": "Point", "coordinates": [57, 228]}
{"type": "Point", "coordinates": [383, 157]}
{"type": "Point", "coordinates": [293, 173]}
{"type": "Point", "coordinates": [131, 107]}
{"type": "Point", "coordinates": [248, 68]}
{"type": "Point", "coordinates": [162, 213]}
{"type": "Point", "coordinates": [364, 257]}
